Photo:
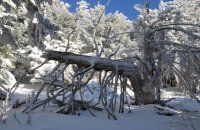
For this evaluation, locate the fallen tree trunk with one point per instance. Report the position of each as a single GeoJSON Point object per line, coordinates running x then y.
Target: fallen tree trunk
{"type": "Point", "coordinates": [97, 63]}
{"type": "Point", "coordinates": [119, 67]}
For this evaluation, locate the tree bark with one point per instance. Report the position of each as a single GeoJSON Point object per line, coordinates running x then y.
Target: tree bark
{"type": "Point", "coordinates": [137, 84]}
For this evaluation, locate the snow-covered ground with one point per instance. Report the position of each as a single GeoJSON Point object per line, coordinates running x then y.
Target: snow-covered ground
{"type": "Point", "coordinates": [141, 118]}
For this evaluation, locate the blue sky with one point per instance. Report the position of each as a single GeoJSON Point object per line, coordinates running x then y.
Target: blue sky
{"type": "Point", "coordinates": [124, 6]}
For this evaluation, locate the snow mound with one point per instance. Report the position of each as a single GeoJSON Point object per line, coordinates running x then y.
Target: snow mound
{"type": "Point", "coordinates": [185, 104]}
{"type": "Point", "coordinates": [181, 101]}
{"type": "Point", "coordinates": [91, 91]}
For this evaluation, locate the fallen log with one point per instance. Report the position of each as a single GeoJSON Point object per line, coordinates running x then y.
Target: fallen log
{"type": "Point", "coordinates": [97, 63]}
{"type": "Point", "coordinates": [165, 111]}
{"type": "Point", "coordinates": [118, 67]}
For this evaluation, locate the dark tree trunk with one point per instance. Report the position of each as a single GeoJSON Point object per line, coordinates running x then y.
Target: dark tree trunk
{"type": "Point", "coordinates": [141, 96]}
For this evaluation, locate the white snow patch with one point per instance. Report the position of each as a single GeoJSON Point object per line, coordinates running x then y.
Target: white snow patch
{"type": "Point", "coordinates": [180, 101]}
{"type": "Point", "coordinates": [91, 92]}
{"type": "Point", "coordinates": [6, 63]}
{"type": "Point", "coordinates": [3, 14]}
{"type": "Point", "coordinates": [185, 104]}
{"type": "Point", "coordinates": [35, 20]}
{"type": "Point", "coordinates": [43, 71]}
{"type": "Point", "coordinates": [1, 31]}
{"type": "Point", "coordinates": [11, 3]}
{"type": "Point", "coordinates": [33, 1]}
{"type": "Point", "coordinates": [8, 79]}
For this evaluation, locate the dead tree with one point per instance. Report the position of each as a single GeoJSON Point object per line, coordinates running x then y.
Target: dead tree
{"type": "Point", "coordinates": [119, 70]}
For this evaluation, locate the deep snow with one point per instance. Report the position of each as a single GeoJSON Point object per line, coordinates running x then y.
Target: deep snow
{"type": "Point", "coordinates": [142, 117]}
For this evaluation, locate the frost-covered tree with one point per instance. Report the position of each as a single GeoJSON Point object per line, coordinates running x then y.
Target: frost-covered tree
{"type": "Point", "coordinates": [7, 80]}
{"type": "Point", "coordinates": [102, 33]}
{"type": "Point", "coordinates": [169, 42]}
{"type": "Point", "coordinates": [22, 24]}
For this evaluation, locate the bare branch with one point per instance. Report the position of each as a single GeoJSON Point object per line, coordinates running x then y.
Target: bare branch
{"type": "Point", "coordinates": [104, 44]}
{"type": "Point", "coordinates": [176, 29]}
{"type": "Point", "coordinates": [114, 52]}
{"type": "Point", "coordinates": [177, 24]}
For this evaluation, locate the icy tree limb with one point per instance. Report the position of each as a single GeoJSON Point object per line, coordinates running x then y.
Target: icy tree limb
{"type": "Point", "coordinates": [104, 44]}
{"type": "Point", "coordinates": [177, 29]}
{"type": "Point", "coordinates": [30, 107]}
